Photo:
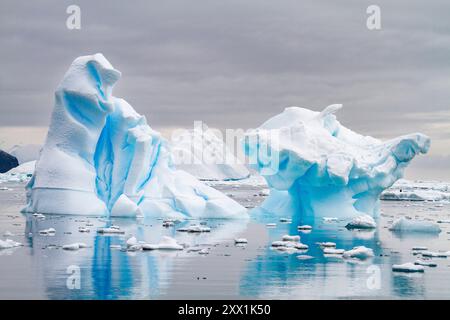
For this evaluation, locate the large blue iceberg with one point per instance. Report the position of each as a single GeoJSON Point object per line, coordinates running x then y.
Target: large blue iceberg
{"type": "Point", "coordinates": [101, 158]}
{"type": "Point", "coordinates": [315, 167]}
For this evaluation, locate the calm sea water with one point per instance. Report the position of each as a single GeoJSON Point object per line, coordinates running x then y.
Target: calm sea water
{"type": "Point", "coordinates": [42, 270]}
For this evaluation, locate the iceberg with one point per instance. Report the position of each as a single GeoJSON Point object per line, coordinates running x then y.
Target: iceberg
{"type": "Point", "coordinates": [26, 153]}
{"type": "Point", "coordinates": [204, 155]}
{"type": "Point", "coordinates": [101, 158]}
{"type": "Point", "coordinates": [315, 166]}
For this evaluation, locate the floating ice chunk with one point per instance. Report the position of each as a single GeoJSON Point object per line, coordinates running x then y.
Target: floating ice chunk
{"type": "Point", "coordinates": [195, 229]}
{"type": "Point", "coordinates": [426, 263]}
{"type": "Point", "coordinates": [271, 225]}
{"type": "Point", "coordinates": [419, 248]}
{"type": "Point", "coordinates": [47, 232]}
{"type": "Point", "coordinates": [410, 225]}
{"type": "Point", "coordinates": [38, 216]}
{"type": "Point", "coordinates": [264, 192]}
{"type": "Point", "coordinates": [304, 227]}
{"type": "Point", "coordinates": [203, 251]}
{"type": "Point", "coordinates": [360, 252]}
{"type": "Point", "coordinates": [304, 257]}
{"type": "Point", "coordinates": [131, 241]}
{"type": "Point", "coordinates": [84, 230]}
{"type": "Point", "coordinates": [8, 234]}
{"type": "Point", "coordinates": [240, 241]}
{"type": "Point", "coordinates": [312, 163]}
{"type": "Point", "coordinates": [362, 222]}
{"type": "Point", "coordinates": [285, 220]}
{"type": "Point", "coordinates": [8, 244]}
{"type": "Point", "coordinates": [333, 251]}
{"type": "Point", "coordinates": [110, 230]}
{"type": "Point", "coordinates": [407, 267]}
{"type": "Point", "coordinates": [167, 243]}
{"type": "Point", "coordinates": [327, 244]}
{"type": "Point", "coordinates": [124, 207]}
{"type": "Point", "coordinates": [287, 237]}
{"type": "Point", "coordinates": [330, 219]}
{"type": "Point", "coordinates": [289, 244]}
{"type": "Point", "coordinates": [433, 254]}
{"type": "Point", "coordinates": [74, 246]}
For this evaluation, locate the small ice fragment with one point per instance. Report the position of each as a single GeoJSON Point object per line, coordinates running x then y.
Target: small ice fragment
{"type": "Point", "coordinates": [198, 228]}
{"type": "Point", "coordinates": [286, 220]}
{"type": "Point", "coordinates": [410, 225]}
{"type": "Point", "coordinates": [304, 257]}
{"type": "Point", "coordinates": [47, 232]}
{"type": "Point", "coordinates": [333, 251]}
{"type": "Point", "coordinates": [8, 243]}
{"type": "Point", "coordinates": [304, 227]}
{"type": "Point", "coordinates": [287, 237]}
{"type": "Point", "coordinates": [362, 222]}
{"type": "Point", "coordinates": [110, 230]}
{"type": "Point", "coordinates": [419, 248]}
{"type": "Point", "coordinates": [433, 254]}
{"type": "Point", "coordinates": [203, 251]}
{"type": "Point", "coordinates": [271, 225]}
{"type": "Point", "coordinates": [74, 246]}
{"type": "Point", "coordinates": [426, 263]}
{"type": "Point", "coordinates": [132, 241]}
{"type": "Point", "coordinates": [84, 229]}
{"type": "Point", "coordinates": [39, 216]}
{"type": "Point", "coordinates": [330, 219]}
{"type": "Point", "coordinates": [115, 246]}
{"type": "Point", "coordinates": [240, 241]}
{"type": "Point", "coordinates": [167, 243]}
{"type": "Point", "coordinates": [407, 267]}
{"type": "Point", "coordinates": [168, 223]}
{"type": "Point", "coordinates": [327, 244]}
{"type": "Point", "coordinates": [360, 252]}
{"type": "Point", "coordinates": [8, 234]}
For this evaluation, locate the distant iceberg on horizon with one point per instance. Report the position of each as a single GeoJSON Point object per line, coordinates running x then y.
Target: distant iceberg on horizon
{"type": "Point", "coordinates": [316, 167]}
{"type": "Point", "coordinates": [101, 158]}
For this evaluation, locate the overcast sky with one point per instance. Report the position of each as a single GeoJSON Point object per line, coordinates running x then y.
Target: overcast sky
{"type": "Point", "coordinates": [235, 63]}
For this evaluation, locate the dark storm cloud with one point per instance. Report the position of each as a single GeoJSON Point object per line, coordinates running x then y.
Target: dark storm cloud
{"type": "Point", "coordinates": [236, 63]}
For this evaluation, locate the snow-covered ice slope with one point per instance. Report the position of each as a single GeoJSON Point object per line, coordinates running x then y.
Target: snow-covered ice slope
{"type": "Point", "coordinates": [317, 167]}
{"type": "Point", "coordinates": [204, 155]}
{"type": "Point", "coordinates": [100, 156]}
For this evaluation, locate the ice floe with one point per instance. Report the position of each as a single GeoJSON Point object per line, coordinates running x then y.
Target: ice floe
{"type": "Point", "coordinates": [408, 267]}
{"type": "Point", "coordinates": [362, 222]}
{"type": "Point", "coordinates": [410, 225]}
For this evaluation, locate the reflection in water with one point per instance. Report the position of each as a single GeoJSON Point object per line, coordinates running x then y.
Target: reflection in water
{"type": "Point", "coordinates": [106, 271]}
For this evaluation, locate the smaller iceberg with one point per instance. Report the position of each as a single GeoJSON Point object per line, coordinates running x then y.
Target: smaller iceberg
{"type": "Point", "coordinates": [204, 154]}
{"type": "Point", "coordinates": [409, 225]}
{"type": "Point", "coordinates": [316, 167]}
{"type": "Point", "coordinates": [101, 158]}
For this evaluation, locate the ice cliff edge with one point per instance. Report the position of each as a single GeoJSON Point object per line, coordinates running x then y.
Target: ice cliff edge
{"type": "Point", "coordinates": [101, 158]}
{"type": "Point", "coordinates": [317, 167]}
